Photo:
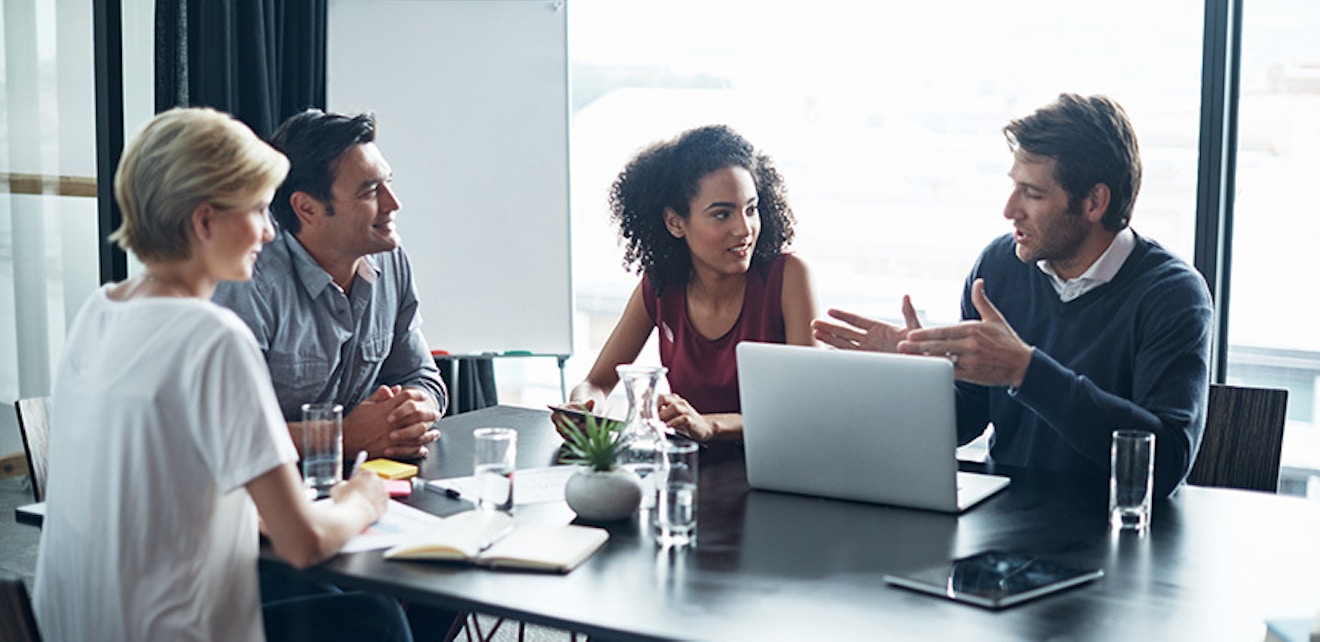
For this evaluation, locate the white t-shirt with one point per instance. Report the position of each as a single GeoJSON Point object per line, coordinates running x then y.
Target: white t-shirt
{"type": "Point", "coordinates": [162, 412]}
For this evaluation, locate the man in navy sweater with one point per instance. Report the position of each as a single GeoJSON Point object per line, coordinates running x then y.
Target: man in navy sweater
{"type": "Point", "coordinates": [1092, 328]}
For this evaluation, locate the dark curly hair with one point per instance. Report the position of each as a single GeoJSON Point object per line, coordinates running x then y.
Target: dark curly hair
{"type": "Point", "coordinates": [666, 175]}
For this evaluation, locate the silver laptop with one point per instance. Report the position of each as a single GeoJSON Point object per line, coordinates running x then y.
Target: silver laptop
{"type": "Point", "coordinates": [853, 425]}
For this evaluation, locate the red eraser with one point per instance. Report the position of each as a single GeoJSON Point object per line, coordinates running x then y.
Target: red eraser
{"type": "Point", "coordinates": [398, 487]}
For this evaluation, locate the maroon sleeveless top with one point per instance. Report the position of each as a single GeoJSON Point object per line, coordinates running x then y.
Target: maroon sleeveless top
{"type": "Point", "coordinates": [703, 371]}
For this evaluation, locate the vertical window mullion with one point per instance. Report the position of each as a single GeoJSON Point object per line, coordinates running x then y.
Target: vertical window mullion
{"type": "Point", "coordinates": [1221, 49]}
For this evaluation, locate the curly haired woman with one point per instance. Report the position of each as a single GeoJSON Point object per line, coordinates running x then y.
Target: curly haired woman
{"type": "Point", "coordinates": [705, 220]}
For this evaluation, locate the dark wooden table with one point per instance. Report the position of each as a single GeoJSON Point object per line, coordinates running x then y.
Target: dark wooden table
{"type": "Point", "coordinates": [1215, 564]}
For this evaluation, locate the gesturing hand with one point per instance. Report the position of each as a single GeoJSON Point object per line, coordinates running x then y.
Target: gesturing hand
{"type": "Point", "coordinates": [986, 352]}
{"type": "Point", "coordinates": [862, 333]}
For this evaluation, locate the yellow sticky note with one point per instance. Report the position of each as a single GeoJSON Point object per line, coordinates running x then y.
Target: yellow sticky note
{"type": "Point", "coordinates": [390, 469]}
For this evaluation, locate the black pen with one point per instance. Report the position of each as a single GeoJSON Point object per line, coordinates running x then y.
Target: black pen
{"type": "Point", "coordinates": [448, 492]}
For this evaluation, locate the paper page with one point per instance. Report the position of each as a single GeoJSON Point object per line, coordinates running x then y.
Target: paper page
{"type": "Point", "coordinates": [530, 485]}
{"type": "Point", "coordinates": [399, 521]}
{"type": "Point", "coordinates": [546, 547]}
{"type": "Point", "coordinates": [463, 535]}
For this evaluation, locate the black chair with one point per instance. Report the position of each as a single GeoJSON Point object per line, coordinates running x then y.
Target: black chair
{"type": "Point", "coordinates": [33, 423]}
{"type": "Point", "coordinates": [17, 623]}
{"type": "Point", "coordinates": [470, 381]}
{"type": "Point", "coordinates": [1243, 439]}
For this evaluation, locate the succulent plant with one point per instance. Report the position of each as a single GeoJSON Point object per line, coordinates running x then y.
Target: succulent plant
{"type": "Point", "coordinates": [596, 442]}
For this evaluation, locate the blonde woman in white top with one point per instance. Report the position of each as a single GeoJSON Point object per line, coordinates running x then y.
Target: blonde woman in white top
{"type": "Point", "coordinates": [168, 450]}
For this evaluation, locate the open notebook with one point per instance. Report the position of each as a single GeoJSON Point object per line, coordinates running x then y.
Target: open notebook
{"type": "Point", "coordinates": [495, 539]}
{"type": "Point", "coordinates": [853, 425]}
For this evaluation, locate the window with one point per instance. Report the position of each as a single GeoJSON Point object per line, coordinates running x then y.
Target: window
{"type": "Point", "coordinates": [47, 194]}
{"type": "Point", "coordinates": [886, 125]}
{"type": "Point", "coordinates": [1272, 324]}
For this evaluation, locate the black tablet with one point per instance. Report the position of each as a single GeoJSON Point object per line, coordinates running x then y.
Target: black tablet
{"type": "Point", "coordinates": [577, 415]}
{"type": "Point", "coordinates": [995, 579]}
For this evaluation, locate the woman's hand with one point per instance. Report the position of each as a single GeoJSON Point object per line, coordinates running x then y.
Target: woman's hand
{"type": "Point", "coordinates": [365, 487]}
{"type": "Point", "coordinates": [678, 414]}
{"type": "Point", "coordinates": [559, 417]}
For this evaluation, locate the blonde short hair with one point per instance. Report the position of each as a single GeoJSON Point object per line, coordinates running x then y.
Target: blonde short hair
{"type": "Point", "coordinates": [183, 158]}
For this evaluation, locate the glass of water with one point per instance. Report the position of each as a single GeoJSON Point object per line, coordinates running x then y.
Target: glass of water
{"type": "Point", "coordinates": [676, 501]}
{"type": "Point", "coordinates": [323, 447]}
{"type": "Point", "coordinates": [494, 453]}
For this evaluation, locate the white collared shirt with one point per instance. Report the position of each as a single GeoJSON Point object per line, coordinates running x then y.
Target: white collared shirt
{"type": "Point", "coordinates": [1101, 272]}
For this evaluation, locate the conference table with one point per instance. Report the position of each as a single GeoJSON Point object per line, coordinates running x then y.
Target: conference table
{"type": "Point", "coordinates": [1214, 565]}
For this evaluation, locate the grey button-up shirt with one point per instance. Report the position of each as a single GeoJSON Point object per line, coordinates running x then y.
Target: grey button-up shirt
{"type": "Point", "coordinates": [322, 344]}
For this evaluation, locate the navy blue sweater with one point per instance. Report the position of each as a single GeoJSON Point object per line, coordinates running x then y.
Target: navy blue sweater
{"type": "Point", "coordinates": [1131, 354]}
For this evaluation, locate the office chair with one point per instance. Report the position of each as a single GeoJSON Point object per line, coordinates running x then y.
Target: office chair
{"type": "Point", "coordinates": [1243, 439]}
{"type": "Point", "coordinates": [34, 423]}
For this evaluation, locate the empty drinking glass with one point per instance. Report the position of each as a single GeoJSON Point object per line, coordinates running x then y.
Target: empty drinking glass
{"type": "Point", "coordinates": [1131, 479]}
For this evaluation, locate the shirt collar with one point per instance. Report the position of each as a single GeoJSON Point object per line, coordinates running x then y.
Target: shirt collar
{"type": "Point", "coordinates": [369, 268]}
{"type": "Point", "coordinates": [1102, 271]}
{"type": "Point", "coordinates": [313, 277]}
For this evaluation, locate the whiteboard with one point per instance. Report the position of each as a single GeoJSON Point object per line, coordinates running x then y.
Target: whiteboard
{"type": "Point", "coordinates": [472, 106]}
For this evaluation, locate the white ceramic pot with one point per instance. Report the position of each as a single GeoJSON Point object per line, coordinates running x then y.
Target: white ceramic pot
{"type": "Point", "coordinates": [603, 496]}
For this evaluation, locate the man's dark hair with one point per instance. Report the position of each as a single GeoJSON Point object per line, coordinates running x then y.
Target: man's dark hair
{"type": "Point", "coordinates": [1091, 142]}
{"type": "Point", "coordinates": [314, 141]}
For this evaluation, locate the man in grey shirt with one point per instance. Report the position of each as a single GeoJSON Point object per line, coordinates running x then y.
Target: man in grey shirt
{"type": "Point", "coordinates": [332, 301]}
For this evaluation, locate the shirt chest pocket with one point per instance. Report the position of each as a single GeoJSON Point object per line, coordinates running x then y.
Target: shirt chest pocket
{"type": "Point", "coordinates": [297, 376]}
{"type": "Point", "coordinates": [376, 347]}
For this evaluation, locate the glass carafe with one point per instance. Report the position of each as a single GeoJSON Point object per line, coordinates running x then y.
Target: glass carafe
{"type": "Point", "coordinates": [643, 430]}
